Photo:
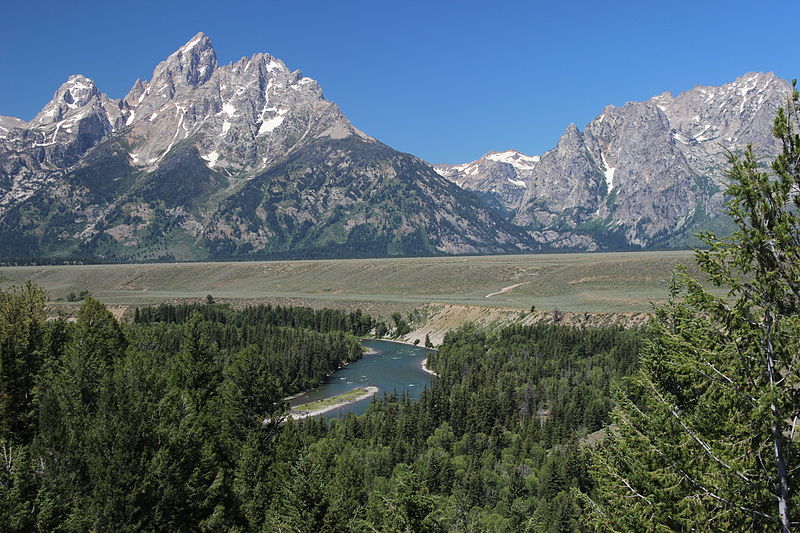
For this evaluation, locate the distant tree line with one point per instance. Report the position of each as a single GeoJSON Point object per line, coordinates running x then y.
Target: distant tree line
{"type": "Point", "coordinates": [321, 320]}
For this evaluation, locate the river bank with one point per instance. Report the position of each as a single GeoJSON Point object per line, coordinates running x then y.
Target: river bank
{"type": "Point", "coordinates": [392, 367]}
{"type": "Point", "coordinates": [299, 413]}
{"type": "Point", "coordinates": [407, 343]}
{"type": "Point", "coordinates": [428, 370]}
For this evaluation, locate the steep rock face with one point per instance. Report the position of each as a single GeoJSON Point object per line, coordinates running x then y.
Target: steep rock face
{"type": "Point", "coordinates": [171, 170]}
{"type": "Point", "coordinates": [578, 189]}
{"type": "Point", "coordinates": [643, 174]}
{"type": "Point", "coordinates": [709, 121]}
{"type": "Point", "coordinates": [9, 123]}
{"type": "Point", "coordinates": [648, 184]}
{"type": "Point", "coordinates": [250, 160]}
{"type": "Point", "coordinates": [74, 121]}
{"type": "Point", "coordinates": [247, 115]}
{"type": "Point", "coordinates": [732, 115]}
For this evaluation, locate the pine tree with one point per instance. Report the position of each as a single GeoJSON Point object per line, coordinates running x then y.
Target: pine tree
{"type": "Point", "coordinates": [428, 343]}
{"type": "Point", "coordinates": [22, 317]}
{"type": "Point", "coordinates": [705, 436]}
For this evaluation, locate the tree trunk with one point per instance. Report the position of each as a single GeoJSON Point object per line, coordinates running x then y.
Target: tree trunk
{"type": "Point", "coordinates": [777, 433]}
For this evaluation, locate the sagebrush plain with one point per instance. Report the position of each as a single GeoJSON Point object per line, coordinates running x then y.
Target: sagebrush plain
{"type": "Point", "coordinates": [622, 282]}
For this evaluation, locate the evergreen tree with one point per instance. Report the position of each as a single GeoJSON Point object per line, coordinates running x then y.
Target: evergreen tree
{"type": "Point", "coordinates": [706, 431]}
{"type": "Point", "coordinates": [97, 333]}
{"type": "Point", "coordinates": [21, 334]}
{"type": "Point", "coordinates": [428, 343]}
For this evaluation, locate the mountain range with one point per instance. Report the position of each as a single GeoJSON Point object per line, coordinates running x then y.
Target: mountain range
{"type": "Point", "coordinates": [248, 160]}
{"type": "Point", "coordinates": [646, 174]}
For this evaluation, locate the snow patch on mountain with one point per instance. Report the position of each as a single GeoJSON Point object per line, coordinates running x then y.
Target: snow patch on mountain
{"type": "Point", "coordinates": [608, 172]}
{"type": "Point", "coordinates": [211, 158]}
{"type": "Point", "coordinates": [513, 158]}
{"type": "Point", "coordinates": [229, 109]}
{"type": "Point", "coordinates": [272, 123]}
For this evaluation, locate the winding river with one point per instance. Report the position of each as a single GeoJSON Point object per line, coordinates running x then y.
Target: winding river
{"type": "Point", "coordinates": [392, 367]}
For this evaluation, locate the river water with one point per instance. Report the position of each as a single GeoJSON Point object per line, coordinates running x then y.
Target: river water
{"type": "Point", "coordinates": [395, 367]}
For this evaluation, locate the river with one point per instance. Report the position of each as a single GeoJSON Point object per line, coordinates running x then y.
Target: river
{"type": "Point", "coordinates": [394, 367]}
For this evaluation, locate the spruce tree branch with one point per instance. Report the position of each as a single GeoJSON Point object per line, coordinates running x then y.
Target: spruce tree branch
{"type": "Point", "coordinates": [709, 451]}
{"type": "Point", "coordinates": [728, 381]}
{"type": "Point", "coordinates": [633, 491]}
{"type": "Point", "coordinates": [777, 433]}
{"type": "Point", "coordinates": [708, 492]}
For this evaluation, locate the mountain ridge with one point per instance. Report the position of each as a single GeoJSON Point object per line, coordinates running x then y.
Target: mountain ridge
{"type": "Point", "coordinates": [159, 174]}
{"type": "Point", "coordinates": [646, 171]}
{"type": "Point", "coordinates": [248, 160]}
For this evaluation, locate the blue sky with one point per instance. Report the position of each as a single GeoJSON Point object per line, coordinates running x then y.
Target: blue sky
{"type": "Point", "coordinates": [447, 81]}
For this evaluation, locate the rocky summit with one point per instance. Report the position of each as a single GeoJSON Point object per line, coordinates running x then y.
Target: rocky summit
{"type": "Point", "coordinates": [646, 174]}
{"type": "Point", "coordinates": [248, 160]}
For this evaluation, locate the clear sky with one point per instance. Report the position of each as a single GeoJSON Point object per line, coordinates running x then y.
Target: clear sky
{"type": "Point", "coordinates": [447, 81]}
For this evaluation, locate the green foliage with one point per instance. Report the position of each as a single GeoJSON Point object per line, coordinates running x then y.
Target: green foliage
{"type": "Point", "coordinates": [182, 179]}
{"type": "Point", "coordinates": [176, 423]}
{"type": "Point", "coordinates": [248, 391]}
{"type": "Point", "coordinates": [72, 297]}
{"type": "Point", "coordinates": [394, 192]}
{"type": "Point", "coordinates": [401, 326]}
{"type": "Point", "coordinates": [490, 447]}
{"type": "Point", "coordinates": [106, 172]}
{"type": "Point", "coordinates": [322, 320]}
{"type": "Point", "coordinates": [158, 426]}
{"type": "Point", "coordinates": [705, 433]}
{"type": "Point", "coordinates": [21, 355]}
{"type": "Point", "coordinates": [405, 506]}
{"type": "Point", "coordinates": [97, 334]}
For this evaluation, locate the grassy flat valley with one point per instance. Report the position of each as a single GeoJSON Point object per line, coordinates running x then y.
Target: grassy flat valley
{"type": "Point", "coordinates": [580, 282]}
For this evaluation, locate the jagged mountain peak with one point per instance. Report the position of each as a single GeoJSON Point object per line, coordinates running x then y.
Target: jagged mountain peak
{"type": "Point", "coordinates": [249, 158]}
{"type": "Point", "coordinates": [195, 60]}
{"type": "Point", "coordinates": [74, 93]}
{"type": "Point", "coordinates": [503, 175]}
{"type": "Point", "coordinates": [708, 120]}
{"type": "Point", "coordinates": [246, 115]}
{"type": "Point", "coordinates": [199, 41]}
{"type": "Point", "coordinates": [645, 172]}
{"type": "Point", "coordinates": [743, 87]}
{"type": "Point", "coordinates": [572, 137]}
{"type": "Point", "coordinates": [136, 93]}
{"type": "Point", "coordinates": [225, 161]}
{"type": "Point", "coordinates": [267, 62]}
{"type": "Point", "coordinates": [190, 66]}
{"type": "Point", "coordinates": [758, 76]}
{"type": "Point", "coordinates": [238, 160]}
